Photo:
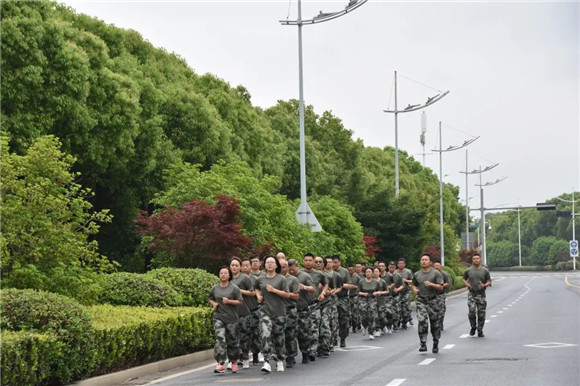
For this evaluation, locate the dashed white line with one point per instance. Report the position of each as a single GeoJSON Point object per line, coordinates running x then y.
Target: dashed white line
{"type": "Point", "coordinates": [448, 346]}
{"type": "Point", "coordinates": [500, 312]}
{"type": "Point", "coordinates": [463, 336]}
{"type": "Point", "coordinates": [426, 362]}
{"type": "Point", "coordinates": [505, 308]}
{"type": "Point", "coordinates": [494, 316]}
{"type": "Point", "coordinates": [396, 382]}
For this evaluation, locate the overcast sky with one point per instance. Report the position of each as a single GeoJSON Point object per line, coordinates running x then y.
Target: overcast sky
{"type": "Point", "coordinates": [512, 70]}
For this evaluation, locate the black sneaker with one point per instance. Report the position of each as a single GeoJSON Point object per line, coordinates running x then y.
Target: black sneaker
{"type": "Point", "coordinates": [404, 326]}
{"type": "Point", "coordinates": [312, 358]}
{"type": "Point", "coordinates": [325, 354]}
{"type": "Point", "coordinates": [255, 360]}
{"type": "Point", "coordinates": [290, 361]}
{"type": "Point", "coordinates": [304, 358]}
{"type": "Point", "coordinates": [423, 347]}
{"type": "Point", "coordinates": [480, 334]}
{"type": "Point", "coordinates": [435, 347]}
{"type": "Point", "coordinates": [342, 343]}
{"type": "Point", "coordinates": [472, 331]}
{"type": "Point", "coordinates": [354, 330]}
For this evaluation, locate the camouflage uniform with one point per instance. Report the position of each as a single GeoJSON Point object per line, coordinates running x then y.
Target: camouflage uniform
{"type": "Point", "coordinates": [255, 335]}
{"type": "Point", "coordinates": [273, 338]}
{"type": "Point", "coordinates": [244, 323]}
{"type": "Point", "coordinates": [324, 331]}
{"type": "Point", "coordinates": [405, 298]}
{"type": "Point", "coordinates": [227, 344]}
{"type": "Point", "coordinates": [315, 321]}
{"type": "Point", "coordinates": [441, 297]}
{"type": "Point", "coordinates": [368, 313]}
{"type": "Point", "coordinates": [354, 313]}
{"type": "Point", "coordinates": [291, 332]}
{"type": "Point", "coordinates": [476, 303]}
{"type": "Point", "coordinates": [304, 338]}
{"type": "Point", "coordinates": [428, 313]}
{"type": "Point", "coordinates": [343, 305]}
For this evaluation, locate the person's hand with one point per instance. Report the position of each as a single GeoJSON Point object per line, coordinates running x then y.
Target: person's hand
{"type": "Point", "coordinates": [215, 306]}
{"type": "Point", "coordinates": [269, 288]}
{"type": "Point", "coordinates": [226, 300]}
{"type": "Point", "coordinates": [481, 286]}
{"type": "Point", "coordinates": [260, 298]}
{"type": "Point", "coordinates": [428, 283]}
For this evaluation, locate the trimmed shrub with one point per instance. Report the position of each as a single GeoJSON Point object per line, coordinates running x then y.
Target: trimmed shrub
{"type": "Point", "coordinates": [561, 266]}
{"type": "Point", "coordinates": [45, 312]}
{"type": "Point", "coordinates": [132, 336]}
{"type": "Point", "coordinates": [134, 289]}
{"type": "Point", "coordinates": [28, 358]}
{"type": "Point", "coordinates": [192, 284]}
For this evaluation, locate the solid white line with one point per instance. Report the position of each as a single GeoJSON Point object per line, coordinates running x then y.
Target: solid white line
{"type": "Point", "coordinates": [396, 382]}
{"type": "Point", "coordinates": [448, 346]}
{"type": "Point", "coordinates": [180, 374]}
{"type": "Point", "coordinates": [464, 336]}
{"type": "Point", "coordinates": [427, 361]}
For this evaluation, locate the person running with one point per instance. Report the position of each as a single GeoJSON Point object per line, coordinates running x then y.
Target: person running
{"type": "Point", "coordinates": [368, 302]}
{"type": "Point", "coordinates": [381, 295]}
{"type": "Point", "coordinates": [355, 277]}
{"type": "Point", "coordinates": [307, 289]}
{"type": "Point", "coordinates": [321, 286]}
{"type": "Point", "coordinates": [291, 314]}
{"type": "Point", "coordinates": [398, 287]}
{"type": "Point", "coordinates": [427, 285]}
{"type": "Point", "coordinates": [442, 307]}
{"type": "Point", "coordinates": [225, 298]}
{"type": "Point", "coordinates": [476, 278]}
{"type": "Point", "coordinates": [244, 317]}
{"type": "Point", "coordinates": [271, 291]}
{"type": "Point", "coordinates": [405, 294]}
{"type": "Point", "coordinates": [343, 304]}
{"type": "Point", "coordinates": [336, 290]}
{"type": "Point", "coordinates": [254, 307]}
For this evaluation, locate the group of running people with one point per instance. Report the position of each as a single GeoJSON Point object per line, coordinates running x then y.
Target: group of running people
{"type": "Point", "coordinates": [268, 309]}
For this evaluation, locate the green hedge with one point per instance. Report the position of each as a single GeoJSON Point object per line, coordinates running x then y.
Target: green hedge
{"type": "Point", "coordinates": [45, 312]}
{"type": "Point", "coordinates": [134, 289]}
{"type": "Point", "coordinates": [192, 284]}
{"type": "Point", "coordinates": [132, 336]}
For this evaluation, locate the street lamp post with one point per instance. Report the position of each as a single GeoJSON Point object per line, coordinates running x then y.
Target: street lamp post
{"type": "Point", "coordinates": [441, 151]}
{"type": "Point", "coordinates": [482, 211]}
{"type": "Point", "coordinates": [304, 214]}
{"type": "Point", "coordinates": [573, 225]}
{"type": "Point", "coordinates": [407, 109]}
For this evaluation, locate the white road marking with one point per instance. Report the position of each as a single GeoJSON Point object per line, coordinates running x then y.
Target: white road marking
{"type": "Point", "coordinates": [500, 312]}
{"type": "Point", "coordinates": [396, 382]}
{"type": "Point", "coordinates": [494, 316]}
{"type": "Point", "coordinates": [505, 308]}
{"type": "Point", "coordinates": [180, 374]}
{"type": "Point", "coordinates": [487, 320]}
{"type": "Point", "coordinates": [464, 336]}
{"type": "Point", "coordinates": [448, 346]}
{"type": "Point", "coordinates": [426, 361]}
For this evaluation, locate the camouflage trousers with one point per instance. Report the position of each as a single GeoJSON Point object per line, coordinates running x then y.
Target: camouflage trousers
{"type": "Point", "coordinates": [392, 312]}
{"type": "Point", "coordinates": [428, 316]}
{"type": "Point", "coordinates": [368, 312]}
{"type": "Point", "coordinates": [303, 331]}
{"type": "Point", "coordinates": [404, 307]}
{"type": "Point", "coordinates": [315, 316]}
{"type": "Point", "coordinates": [476, 304]}
{"type": "Point", "coordinates": [343, 316]}
{"type": "Point", "coordinates": [354, 314]}
{"type": "Point", "coordinates": [227, 343]}
{"type": "Point", "coordinates": [333, 323]}
{"type": "Point", "coordinates": [244, 324]}
{"type": "Point", "coordinates": [290, 332]}
{"type": "Point", "coordinates": [442, 309]}
{"type": "Point", "coordinates": [273, 339]}
{"type": "Point", "coordinates": [324, 328]}
{"type": "Point", "coordinates": [255, 338]}
{"type": "Point", "coordinates": [381, 321]}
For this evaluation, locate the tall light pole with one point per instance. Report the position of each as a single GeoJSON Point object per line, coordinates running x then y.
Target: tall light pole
{"type": "Point", "coordinates": [482, 211]}
{"type": "Point", "coordinates": [476, 171]}
{"type": "Point", "coordinates": [407, 109]}
{"type": "Point", "coordinates": [441, 151]}
{"type": "Point", "coordinates": [573, 225]}
{"type": "Point", "coordinates": [304, 214]}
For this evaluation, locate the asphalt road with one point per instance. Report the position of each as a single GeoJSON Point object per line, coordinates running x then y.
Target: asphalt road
{"type": "Point", "coordinates": [532, 338]}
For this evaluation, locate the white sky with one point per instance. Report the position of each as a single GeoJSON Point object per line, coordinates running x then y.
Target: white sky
{"type": "Point", "coordinates": [512, 70]}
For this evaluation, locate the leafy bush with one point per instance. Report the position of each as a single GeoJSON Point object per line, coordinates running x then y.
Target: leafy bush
{"type": "Point", "coordinates": [561, 266]}
{"type": "Point", "coordinates": [28, 358]}
{"type": "Point", "coordinates": [136, 289]}
{"type": "Point", "coordinates": [131, 336]}
{"type": "Point", "coordinates": [192, 284]}
{"type": "Point", "coordinates": [39, 311]}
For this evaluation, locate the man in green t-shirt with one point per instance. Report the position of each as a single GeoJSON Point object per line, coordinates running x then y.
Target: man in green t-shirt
{"type": "Point", "coordinates": [476, 278]}
{"type": "Point", "coordinates": [427, 284]}
{"type": "Point", "coordinates": [446, 284]}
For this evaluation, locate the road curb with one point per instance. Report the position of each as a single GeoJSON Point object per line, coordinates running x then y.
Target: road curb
{"type": "Point", "coordinates": [148, 369]}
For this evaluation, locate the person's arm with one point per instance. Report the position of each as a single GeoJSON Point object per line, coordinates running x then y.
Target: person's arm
{"type": "Point", "coordinates": [232, 302]}
{"type": "Point", "coordinates": [213, 303]}
{"type": "Point", "coordinates": [259, 295]}
{"type": "Point", "coordinates": [282, 294]}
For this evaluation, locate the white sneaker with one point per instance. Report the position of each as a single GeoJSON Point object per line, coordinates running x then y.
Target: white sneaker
{"type": "Point", "coordinates": [266, 368]}
{"type": "Point", "coordinates": [377, 333]}
{"type": "Point", "coordinates": [386, 330]}
{"type": "Point", "coordinates": [371, 337]}
{"type": "Point", "coordinates": [228, 365]}
{"type": "Point", "coordinates": [246, 364]}
{"type": "Point", "coordinates": [279, 366]}
{"type": "Point", "coordinates": [364, 331]}
{"type": "Point", "coordinates": [260, 357]}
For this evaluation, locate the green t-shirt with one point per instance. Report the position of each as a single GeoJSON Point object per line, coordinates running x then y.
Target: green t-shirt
{"type": "Point", "coordinates": [405, 274]}
{"type": "Point", "coordinates": [272, 304]}
{"type": "Point", "coordinates": [398, 280]}
{"type": "Point", "coordinates": [354, 279]}
{"type": "Point", "coordinates": [368, 287]}
{"type": "Point", "coordinates": [445, 279]}
{"type": "Point", "coordinates": [293, 287]}
{"type": "Point", "coordinates": [420, 277]}
{"type": "Point", "coordinates": [382, 287]}
{"type": "Point", "coordinates": [252, 301]}
{"type": "Point", "coordinates": [345, 279]}
{"type": "Point", "coordinates": [227, 313]}
{"type": "Point", "coordinates": [475, 276]}
{"type": "Point", "coordinates": [243, 282]}
{"type": "Point", "coordinates": [305, 298]}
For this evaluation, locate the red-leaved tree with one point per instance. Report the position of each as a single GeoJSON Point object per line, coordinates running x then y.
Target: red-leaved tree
{"type": "Point", "coordinates": [198, 234]}
{"type": "Point", "coordinates": [371, 246]}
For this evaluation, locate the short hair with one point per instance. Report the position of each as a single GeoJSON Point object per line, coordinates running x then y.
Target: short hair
{"type": "Point", "coordinates": [278, 265]}
{"type": "Point", "coordinates": [428, 255]}
{"type": "Point", "coordinates": [476, 254]}
{"type": "Point", "coordinates": [245, 259]}
{"type": "Point", "coordinates": [369, 268]}
{"type": "Point", "coordinates": [350, 265]}
{"type": "Point", "coordinates": [392, 263]}
{"type": "Point", "coordinates": [309, 254]}
{"type": "Point", "coordinates": [292, 262]}
{"type": "Point", "coordinates": [335, 257]}
{"type": "Point", "coordinates": [229, 272]}
{"type": "Point", "coordinates": [402, 259]}
{"type": "Point", "coordinates": [235, 258]}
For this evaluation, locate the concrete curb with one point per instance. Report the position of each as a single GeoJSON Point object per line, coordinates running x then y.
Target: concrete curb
{"type": "Point", "coordinates": [148, 369]}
